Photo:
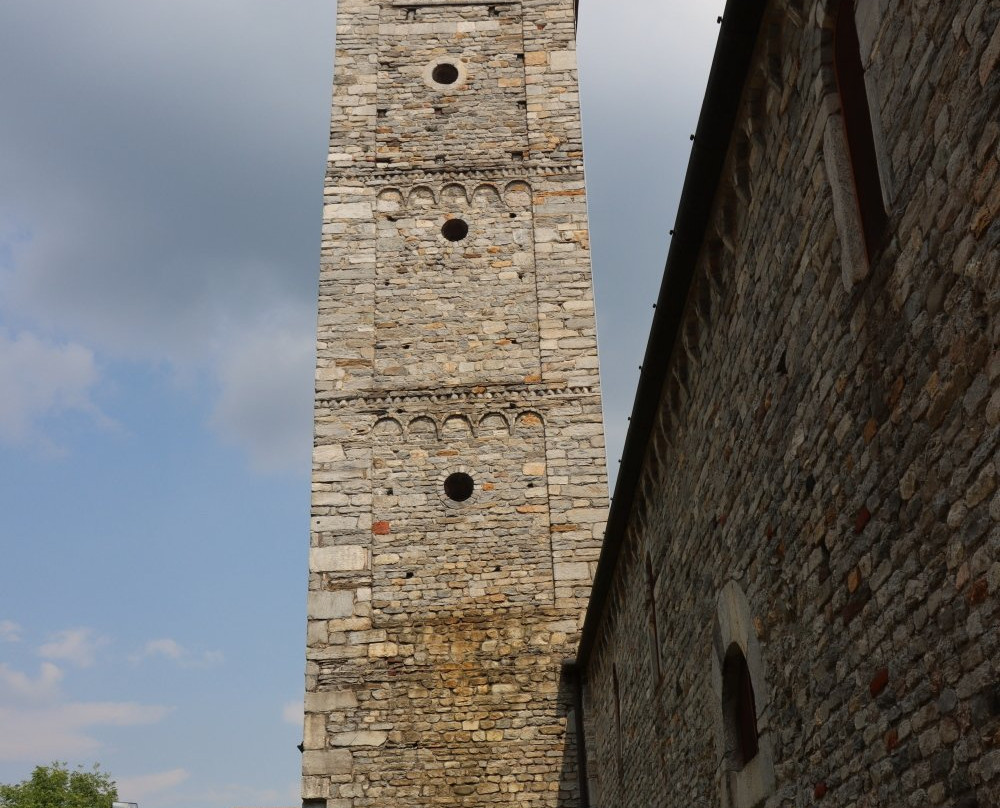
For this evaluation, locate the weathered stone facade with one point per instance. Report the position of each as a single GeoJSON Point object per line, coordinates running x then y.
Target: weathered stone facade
{"type": "Point", "coordinates": [459, 488]}
{"type": "Point", "coordinates": [811, 474]}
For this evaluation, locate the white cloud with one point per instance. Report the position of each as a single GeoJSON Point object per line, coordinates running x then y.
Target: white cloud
{"type": "Point", "coordinates": [139, 788]}
{"type": "Point", "coordinates": [9, 631]}
{"type": "Point", "coordinates": [62, 731]}
{"type": "Point", "coordinates": [292, 713]}
{"type": "Point", "coordinates": [76, 645]}
{"type": "Point", "coordinates": [39, 725]}
{"type": "Point", "coordinates": [18, 687]}
{"type": "Point", "coordinates": [166, 648]}
{"type": "Point", "coordinates": [41, 380]}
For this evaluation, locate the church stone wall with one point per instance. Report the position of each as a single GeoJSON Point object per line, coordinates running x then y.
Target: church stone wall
{"type": "Point", "coordinates": [826, 453]}
{"type": "Point", "coordinates": [438, 628]}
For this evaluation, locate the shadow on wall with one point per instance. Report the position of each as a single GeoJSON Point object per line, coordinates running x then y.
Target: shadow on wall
{"type": "Point", "coordinates": [568, 705]}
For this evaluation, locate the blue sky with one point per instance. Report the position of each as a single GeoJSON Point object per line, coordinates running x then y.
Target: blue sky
{"type": "Point", "coordinates": [161, 166]}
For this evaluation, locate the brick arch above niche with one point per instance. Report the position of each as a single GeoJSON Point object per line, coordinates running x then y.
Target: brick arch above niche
{"type": "Point", "coordinates": [515, 196]}
{"type": "Point", "coordinates": [444, 426]}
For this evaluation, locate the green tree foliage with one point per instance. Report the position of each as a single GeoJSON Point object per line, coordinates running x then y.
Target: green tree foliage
{"type": "Point", "coordinates": [56, 786]}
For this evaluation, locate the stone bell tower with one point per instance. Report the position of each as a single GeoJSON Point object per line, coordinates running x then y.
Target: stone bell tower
{"type": "Point", "coordinates": [459, 484]}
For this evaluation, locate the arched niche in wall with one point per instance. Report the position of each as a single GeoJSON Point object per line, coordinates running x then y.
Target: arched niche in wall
{"type": "Point", "coordinates": [742, 699]}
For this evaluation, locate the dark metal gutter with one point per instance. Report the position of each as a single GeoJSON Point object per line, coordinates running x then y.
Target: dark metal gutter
{"type": "Point", "coordinates": [737, 40]}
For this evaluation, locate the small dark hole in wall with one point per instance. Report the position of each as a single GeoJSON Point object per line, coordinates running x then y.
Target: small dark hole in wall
{"type": "Point", "coordinates": [783, 363]}
{"type": "Point", "coordinates": [455, 229]}
{"type": "Point", "coordinates": [406, 346]}
{"type": "Point", "coordinates": [313, 803]}
{"type": "Point", "coordinates": [810, 484]}
{"type": "Point", "coordinates": [381, 113]}
{"type": "Point", "coordinates": [459, 486]}
{"type": "Point", "coordinates": [445, 73]}
{"type": "Point", "coordinates": [439, 110]}
{"type": "Point", "coordinates": [409, 575]}
{"type": "Point", "coordinates": [513, 215]}
{"type": "Point", "coordinates": [531, 485]}
{"type": "Point", "coordinates": [388, 492]}
{"type": "Point", "coordinates": [517, 155]}
{"type": "Point", "coordinates": [496, 569]}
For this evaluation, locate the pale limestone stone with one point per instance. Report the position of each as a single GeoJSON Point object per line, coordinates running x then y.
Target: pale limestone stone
{"type": "Point", "coordinates": [340, 558]}
{"type": "Point", "coordinates": [328, 605]}
{"type": "Point", "coordinates": [563, 60]}
{"type": "Point", "coordinates": [314, 731]}
{"type": "Point", "coordinates": [359, 739]}
{"type": "Point", "coordinates": [328, 761]}
{"type": "Point", "coordinates": [324, 701]}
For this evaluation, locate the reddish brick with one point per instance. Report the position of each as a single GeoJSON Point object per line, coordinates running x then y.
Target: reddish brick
{"type": "Point", "coordinates": [862, 519]}
{"type": "Point", "coordinates": [871, 429]}
{"type": "Point", "coordinates": [380, 528]}
{"type": "Point", "coordinates": [977, 592]}
{"type": "Point", "coordinates": [879, 682]}
{"type": "Point", "coordinates": [891, 740]}
{"type": "Point", "coordinates": [820, 791]}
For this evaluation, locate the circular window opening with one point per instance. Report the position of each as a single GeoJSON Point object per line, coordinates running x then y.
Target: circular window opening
{"type": "Point", "coordinates": [459, 486]}
{"type": "Point", "coordinates": [455, 229]}
{"type": "Point", "coordinates": [444, 73]}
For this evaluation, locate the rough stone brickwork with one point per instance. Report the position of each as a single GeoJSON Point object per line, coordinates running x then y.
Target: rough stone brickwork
{"type": "Point", "coordinates": [819, 483]}
{"type": "Point", "coordinates": [456, 337]}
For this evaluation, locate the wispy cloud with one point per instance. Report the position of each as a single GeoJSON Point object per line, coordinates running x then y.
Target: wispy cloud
{"type": "Point", "coordinates": [9, 631]}
{"type": "Point", "coordinates": [19, 687]}
{"type": "Point", "coordinates": [76, 645]}
{"type": "Point", "coordinates": [292, 713]}
{"type": "Point", "coordinates": [166, 648]}
{"type": "Point", "coordinates": [140, 787]}
{"type": "Point", "coordinates": [42, 379]}
{"type": "Point", "coordinates": [64, 730]}
{"type": "Point", "coordinates": [39, 725]}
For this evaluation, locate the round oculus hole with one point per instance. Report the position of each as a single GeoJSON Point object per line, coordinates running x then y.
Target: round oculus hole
{"type": "Point", "coordinates": [455, 229]}
{"type": "Point", "coordinates": [459, 486]}
{"type": "Point", "coordinates": [445, 73]}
